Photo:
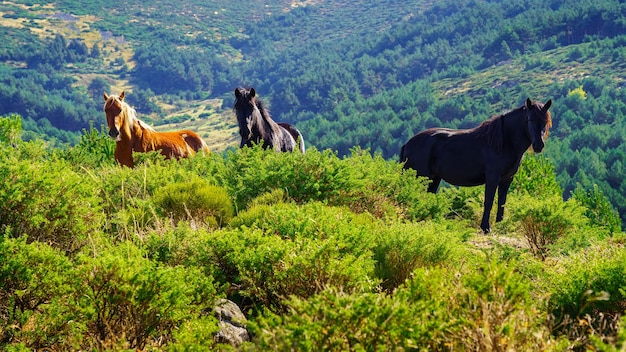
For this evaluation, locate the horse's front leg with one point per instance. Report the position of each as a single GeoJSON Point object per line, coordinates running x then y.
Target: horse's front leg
{"type": "Point", "coordinates": [503, 189]}
{"type": "Point", "coordinates": [490, 193]}
{"type": "Point", "coordinates": [433, 186]}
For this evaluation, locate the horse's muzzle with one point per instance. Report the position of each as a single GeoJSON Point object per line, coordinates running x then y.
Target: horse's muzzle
{"type": "Point", "coordinates": [114, 133]}
{"type": "Point", "coordinates": [538, 147]}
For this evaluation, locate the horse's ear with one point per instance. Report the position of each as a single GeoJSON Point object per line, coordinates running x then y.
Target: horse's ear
{"type": "Point", "coordinates": [252, 93]}
{"type": "Point", "coordinates": [237, 93]}
{"type": "Point", "coordinates": [529, 103]}
{"type": "Point", "coordinates": [106, 96]}
{"type": "Point", "coordinates": [122, 94]}
{"type": "Point", "coordinates": [547, 105]}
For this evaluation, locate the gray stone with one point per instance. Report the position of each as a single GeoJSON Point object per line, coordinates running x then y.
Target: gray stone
{"type": "Point", "coordinates": [232, 323]}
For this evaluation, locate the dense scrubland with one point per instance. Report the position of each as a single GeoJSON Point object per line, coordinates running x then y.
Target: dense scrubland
{"type": "Point", "coordinates": [321, 252]}
{"type": "Point", "coordinates": [336, 249]}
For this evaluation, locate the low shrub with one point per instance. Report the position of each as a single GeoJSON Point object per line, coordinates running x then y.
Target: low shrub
{"type": "Point", "coordinates": [402, 248]}
{"type": "Point", "coordinates": [94, 149]}
{"type": "Point", "coordinates": [536, 177]}
{"type": "Point", "coordinates": [487, 308]}
{"type": "Point", "coordinates": [587, 292]}
{"type": "Point", "coordinates": [127, 195]}
{"type": "Point", "coordinates": [544, 222]}
{"type": "Point", "coordinates": [497, 310]}
{"type": "Point", "coordinates": [312, 220]}
{"type": "Point", "coordinates": [361, 182]}
{"type": "Point", "coordinates": [599, 210]}
{"type": "Point", "coordinates": [48, 202]}
{"type": "Point", "coordinates": [249, 172]}
{"type": "Point", "coordinates": [38, 282]}
{"type": "Point", "coordinates": [196, 335]}
{"type": "Point", "coordinates": [128, 301]}
{"type": "Point", "coordinates": [466, 203]}
{"type": "Point", "coordinates": [336, 321]}
{"type": "Point", "coordinates": [266, 268]}
{"type": "Point", "coordinates": [196, 199]}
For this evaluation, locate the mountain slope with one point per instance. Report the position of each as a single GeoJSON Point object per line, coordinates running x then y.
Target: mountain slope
{"type": "Point", "coordinates": [368, 74]}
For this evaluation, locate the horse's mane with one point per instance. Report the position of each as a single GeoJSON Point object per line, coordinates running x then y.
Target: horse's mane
{"type": "Point", "coordinates": [127, 112]}
{"type": "Point", "coordinates": [494, 126]}
{"type": "Point", "coordinates": [265, 114]}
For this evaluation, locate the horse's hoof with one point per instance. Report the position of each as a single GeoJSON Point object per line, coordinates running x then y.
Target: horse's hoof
{"type": "Point", "coordinates": [486, 230]}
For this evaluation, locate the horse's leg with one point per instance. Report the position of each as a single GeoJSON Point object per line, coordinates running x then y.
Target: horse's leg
{"type": "Point", "coordinates": [124, 156]}
{"type": "Point", "coordinates": [434, 184]}
{"type": "Point", "coordinates": [503, 189]}
{"type": "Point", "coordinates": [490, 193]}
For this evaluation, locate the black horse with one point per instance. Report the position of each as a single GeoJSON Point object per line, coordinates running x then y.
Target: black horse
{"type": "Point", "coordinates": [489, 154]}
{"type": "Point", "coordinates": [256, 125]}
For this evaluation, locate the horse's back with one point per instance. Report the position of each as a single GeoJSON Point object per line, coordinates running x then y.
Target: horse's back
{"type": "Point", "coordinates": [175, 144]}
{"type": "Point", "coordinates": [416, 152]}
{"type": "Point", "coordinates": [453, 155]}
{"type": "Point", "coordinates": [295, 134]}
{"type": "Point", "coordinates": [194, 141]}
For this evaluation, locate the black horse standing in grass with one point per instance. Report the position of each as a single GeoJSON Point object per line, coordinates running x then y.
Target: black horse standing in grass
{"type": "Point", "coordinates": [256, 125]}
{"type": "Point", "coordinates": [489, 154]}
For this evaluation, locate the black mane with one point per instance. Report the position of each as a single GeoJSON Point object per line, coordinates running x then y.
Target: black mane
{"type": "Point", "coordinates": [256, 124]}
{"type": "Point", "coordinates": [493, 128]}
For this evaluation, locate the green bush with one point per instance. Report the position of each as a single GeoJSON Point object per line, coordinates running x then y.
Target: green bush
{"type": "Point", "coordinates": [362, 182]}
{"type": "Point", "coordinates": [38, 283]}
{"type": "Point", "coordinates": [466, 203]}
{"type": "Point", "coordinates": [250, 172]}
{"type": "Point", "coordinates": [335, 321]}
{"type": "Point", "coordinates": [544, 222]}
{"type": "Point", "coordinates": [267, 268]}
{"type": "Point", "coordinates": [402, 248]}
{"type": "Point", "coordinates": [536, 177]}
{"type": "Point", "coordinates": [195, 199]}
{"type": "Point", "coordinates": [128, 195]}
{"type": "Point", "coordinates": [396, 248]}
{"type": "Point", "coordinates": [170, 245]}
{"type": "Point", "coordinates": [312, 220]}
{"type": "Point", "coordinates": [487, 308]}
{"type": "Point", "coordinates": [497, 310]}
{"type": "Point", "coordinates": [598, 209]}
{"type": "Point", "coordinates": [94, 149]}
{"type": "Point", "coordinates": [10, 129]}
{"type": "Point", "coordinates": [587, 283]}
{"type": "Point", "coordinates": [129, 302]}
{"type": "Point", "coordinates": [48, 202]}
{"type": "Point", "coordinates": [196, 335]}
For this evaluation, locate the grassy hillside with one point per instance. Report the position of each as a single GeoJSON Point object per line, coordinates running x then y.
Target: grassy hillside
{"type": "Point", "coordinates": [367, 74]}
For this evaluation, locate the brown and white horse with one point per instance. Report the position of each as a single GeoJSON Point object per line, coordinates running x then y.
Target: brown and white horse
{"type": "Point", "coordinates": [133, 135]}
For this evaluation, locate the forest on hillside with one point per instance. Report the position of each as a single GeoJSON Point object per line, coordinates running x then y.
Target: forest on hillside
{"type": "Point", "coordinates": [348, 74]}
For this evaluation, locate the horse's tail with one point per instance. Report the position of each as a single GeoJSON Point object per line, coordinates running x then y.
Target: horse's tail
{"type": "Point", "coordinates": [402, 157]}
{"type": "Point", "coordinates": [204, 147]}
{"type": "Point", "coordinates": [295, 133]}
{"type": "Point", "coordinates": [300, 142]}
{"type": "Point", "coordinates": [195, 142]}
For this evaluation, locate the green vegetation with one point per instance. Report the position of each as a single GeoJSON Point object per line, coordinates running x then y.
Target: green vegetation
{"type": "Point", "coordinates": [336, 249]}
{"type": "Point", "coordinates": [390, 70]}
{"type": "Point", "coordinates": [322, 252]}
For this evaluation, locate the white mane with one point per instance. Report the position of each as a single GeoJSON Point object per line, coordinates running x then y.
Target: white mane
{"type": "Point", "coordinates": [128, 113]}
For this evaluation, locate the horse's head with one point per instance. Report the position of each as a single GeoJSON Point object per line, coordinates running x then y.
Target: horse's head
{"type": "Point", "coordinates": [539, 122]}
{"type": "Point", "coordinates": [246, 110]}
{"type": "Point", "coordinates": [113, 108]}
